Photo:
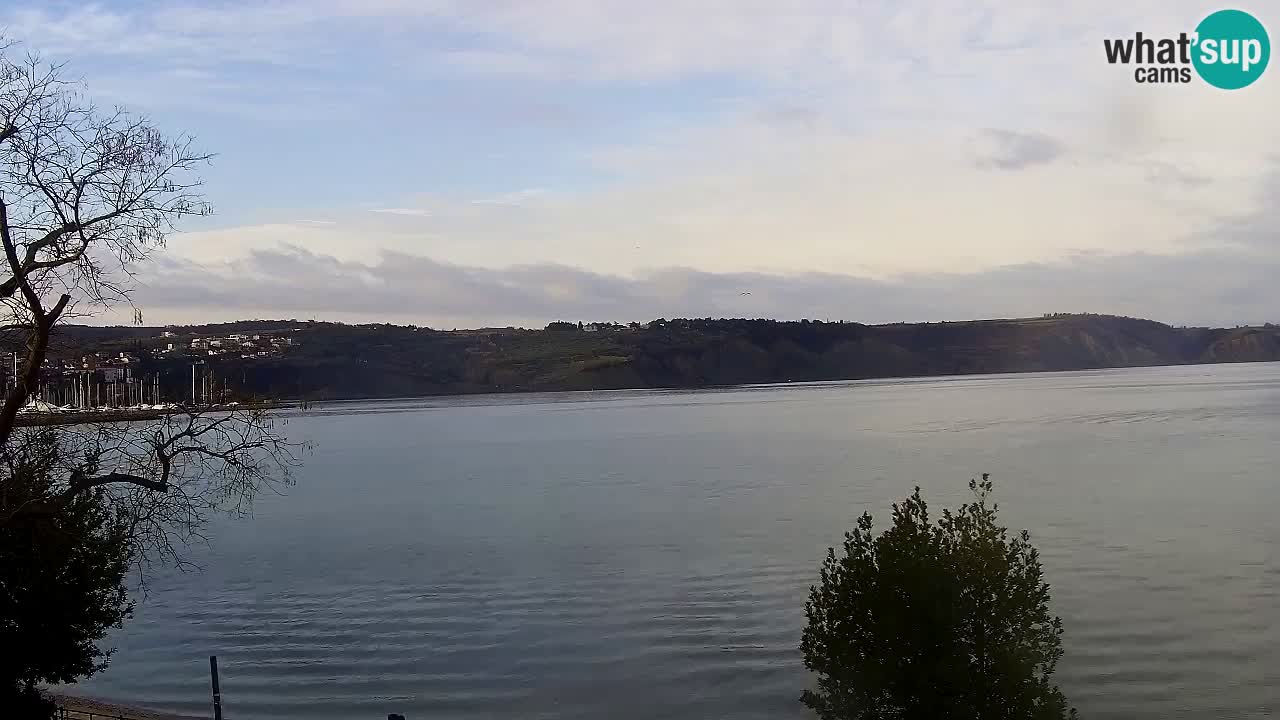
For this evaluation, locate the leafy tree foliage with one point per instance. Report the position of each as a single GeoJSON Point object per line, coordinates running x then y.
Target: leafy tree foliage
{"type": "Point", "coordinates": [61, 577]}
{"type": "Point", "coordinates": [945, 620]}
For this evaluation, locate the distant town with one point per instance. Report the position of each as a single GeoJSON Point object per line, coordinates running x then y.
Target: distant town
{"type": "Point", "coordinates": [235, 344]}
{"type": "Point", "coordinates": [143, 376]}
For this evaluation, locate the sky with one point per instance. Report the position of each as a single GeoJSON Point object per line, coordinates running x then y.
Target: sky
{"type": "Point", "coordinates": [492, 162]}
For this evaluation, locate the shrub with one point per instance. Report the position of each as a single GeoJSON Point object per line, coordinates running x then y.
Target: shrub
{"type": "Point", "coordinates": [946, 620]}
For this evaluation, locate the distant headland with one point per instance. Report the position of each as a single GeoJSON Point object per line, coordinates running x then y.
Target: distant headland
{"type": "Point", "coordinates": [309, 360]}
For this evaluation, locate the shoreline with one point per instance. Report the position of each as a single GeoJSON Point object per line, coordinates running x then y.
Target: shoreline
{"type": "Point", "coordinates": [74, 707]}
{"type": "Point", "coordinates": [78, 417]}
{"type": "Point", "coordinates": [82, 417]}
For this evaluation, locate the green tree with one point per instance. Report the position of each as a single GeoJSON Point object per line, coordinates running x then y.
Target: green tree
{"type": "Point", "coordinates": [62, 578]}
{"type": "Point", "coordinates": [945, 620]}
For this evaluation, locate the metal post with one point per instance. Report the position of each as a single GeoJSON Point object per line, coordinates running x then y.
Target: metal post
{"type": "Point", "coordinates": [217, 694]}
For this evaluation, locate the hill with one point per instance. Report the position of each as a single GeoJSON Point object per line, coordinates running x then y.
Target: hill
{"type": "Point", "coordinates": [338, 361]}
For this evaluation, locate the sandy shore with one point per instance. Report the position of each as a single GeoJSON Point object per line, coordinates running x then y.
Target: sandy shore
{"type": "Point", "coordinates": [78, 708]}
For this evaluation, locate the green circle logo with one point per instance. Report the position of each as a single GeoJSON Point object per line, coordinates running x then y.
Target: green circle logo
{"type": "Point", "coordinates": [1232, 49]}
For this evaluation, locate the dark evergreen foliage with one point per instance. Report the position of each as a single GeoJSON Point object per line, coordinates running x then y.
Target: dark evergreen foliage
{"type": "Point", "coordinates": [62, 577]}
{"type": "Point", "coordinates": [945, 620]}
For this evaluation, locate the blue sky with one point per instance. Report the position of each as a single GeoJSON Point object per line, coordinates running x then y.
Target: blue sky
{"type": "Point", "coordinates": [474, 163]}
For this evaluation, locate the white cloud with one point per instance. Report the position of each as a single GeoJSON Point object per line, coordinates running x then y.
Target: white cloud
{"type": "Point", "coordinates": [751, 196]}
{"type": "Point", "coordinates": [293, 282]}
{"type": "Point", "coordinates": [880, 141]}
{"type": "Point", "coordinates": [412, 212]}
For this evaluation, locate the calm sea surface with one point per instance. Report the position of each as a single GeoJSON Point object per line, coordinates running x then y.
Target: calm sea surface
{"type": "Point", "coordinates": [647, 554]}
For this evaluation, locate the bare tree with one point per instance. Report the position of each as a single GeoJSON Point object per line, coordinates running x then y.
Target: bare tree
{"type": "Point", "coordinates": [166, 477]}
{"type": "Point", "coordinates": [85, 196]}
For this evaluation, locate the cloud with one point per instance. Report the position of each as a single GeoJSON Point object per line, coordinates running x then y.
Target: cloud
{"type": "Point", "coordinates": [294, 282]}
{"type": "Point", "coordinates": [816, 147]}
{"type": "Point", "coordinates": [750, 195]}
{"type": "Point", "coordinates": [519, 197]}
{"type": "Point", "coordinates": [1222, 274]}
{"type": "Point", "coordinates": [1258, 230]}
{"type": "Point", "coordinates": [804, 42]}
{"type": "Point", "coordinates": [1008, 150]}
{"type": "Point", "coordinates": [413, 212]}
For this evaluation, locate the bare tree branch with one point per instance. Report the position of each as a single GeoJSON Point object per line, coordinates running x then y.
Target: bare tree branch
{"type": "Point", "coordinates": [85, 196]}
